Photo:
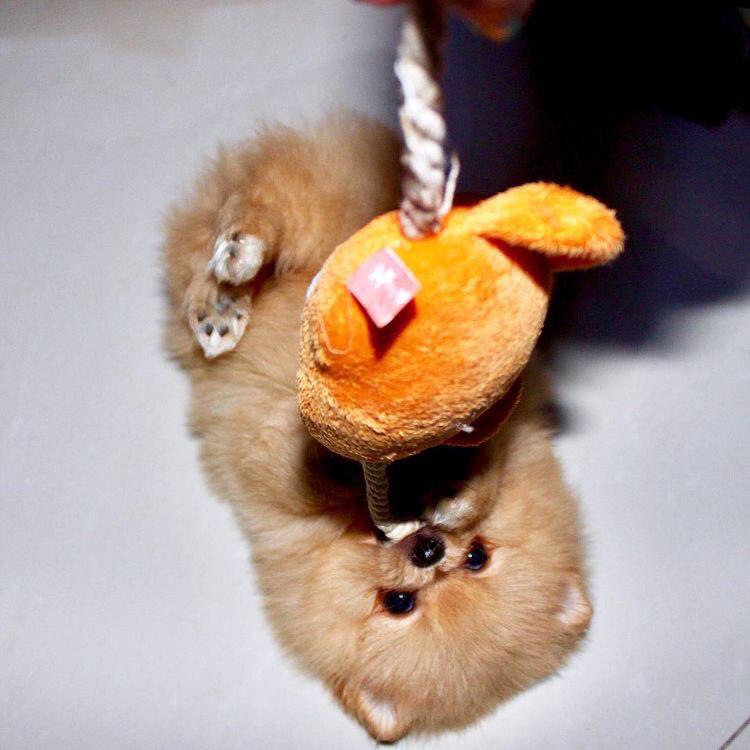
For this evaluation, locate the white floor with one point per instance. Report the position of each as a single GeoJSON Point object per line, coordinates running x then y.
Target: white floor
{"type": "Point", "coordinates": [128, 613]}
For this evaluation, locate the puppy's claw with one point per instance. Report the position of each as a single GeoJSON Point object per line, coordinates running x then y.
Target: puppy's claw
{"type": "Point", "coordinates": [238, 325]}
{"type": "Point", "coordinates": [237, 257]}
{"type": "Point", "coordinates": [218, 329]}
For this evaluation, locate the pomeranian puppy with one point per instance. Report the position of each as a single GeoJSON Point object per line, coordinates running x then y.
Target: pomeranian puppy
{"type": "Point", "coordinates": [425, 635]}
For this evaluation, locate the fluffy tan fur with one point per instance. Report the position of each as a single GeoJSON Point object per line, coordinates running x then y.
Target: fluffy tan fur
{"type": "Point", "coordinates": [474, 639]}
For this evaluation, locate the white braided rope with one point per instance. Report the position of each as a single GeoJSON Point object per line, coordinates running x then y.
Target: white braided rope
{"type": "Point", "coordinates": [417, 68]}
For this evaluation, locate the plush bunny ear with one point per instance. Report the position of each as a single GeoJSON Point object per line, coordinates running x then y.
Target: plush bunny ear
{"type": "Point", "coordinates": [571, 229]}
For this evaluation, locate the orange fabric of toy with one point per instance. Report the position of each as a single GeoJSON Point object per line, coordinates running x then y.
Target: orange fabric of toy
{"type": "Point", "coordinates": [455, 350]}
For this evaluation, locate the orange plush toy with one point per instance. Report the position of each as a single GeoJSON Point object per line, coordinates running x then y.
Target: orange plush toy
{"type": "Point", "coordinates": [441, 362]}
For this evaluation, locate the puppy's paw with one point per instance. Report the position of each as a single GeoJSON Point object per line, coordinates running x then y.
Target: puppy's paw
{"type": "Point", "coordinates": [454, 513]}
{"type": "Point", "coordinates": [237, 257]}
{"type": "Point", "coordinates": [218, 324]}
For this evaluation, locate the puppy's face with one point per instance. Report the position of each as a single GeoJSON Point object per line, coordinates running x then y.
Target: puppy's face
{"type": "Point", "coordinates": [434, 632]}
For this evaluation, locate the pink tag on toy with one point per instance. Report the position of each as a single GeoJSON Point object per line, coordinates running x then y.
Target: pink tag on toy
{"type": "Point", "coordinates": [383, 285]}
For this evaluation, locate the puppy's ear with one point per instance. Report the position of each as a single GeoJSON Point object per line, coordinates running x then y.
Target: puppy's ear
{"type": "Point", "coordinates": [571, 229]}
{"type": "Point", "coordinates": [575, 608]}
{"type": "Point", "coordinates": [384, 721]}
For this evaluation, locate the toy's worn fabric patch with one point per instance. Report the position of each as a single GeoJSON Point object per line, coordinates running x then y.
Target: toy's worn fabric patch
{"type": "Point", "coordinates": [384, 286]}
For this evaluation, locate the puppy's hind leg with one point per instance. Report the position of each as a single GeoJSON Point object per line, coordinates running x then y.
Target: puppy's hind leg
{"type": "Point", "coordinates": [217, 319]}
{"type": "Point", "coordinates": [237, 257]}
{"type": "Point", "coordinates": [218, 300]}
{"type": "Point", "coordinates": [245, 242]}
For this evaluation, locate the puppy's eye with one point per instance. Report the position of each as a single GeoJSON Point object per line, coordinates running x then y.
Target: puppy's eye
{"type": "Point", "coordinates": [476, 557]}
{"type": "Point", "coordinates": [399, 602]}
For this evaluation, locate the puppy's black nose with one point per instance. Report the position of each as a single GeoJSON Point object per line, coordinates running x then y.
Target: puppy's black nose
{"type": "Point", "coordinates": [427, 549]}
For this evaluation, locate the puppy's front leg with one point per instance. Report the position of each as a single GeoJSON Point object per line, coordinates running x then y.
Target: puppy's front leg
{"type": "Point", "coordinates": [456, 513]}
